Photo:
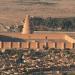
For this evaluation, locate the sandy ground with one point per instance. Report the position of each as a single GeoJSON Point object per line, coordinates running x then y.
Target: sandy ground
{"type": "Point", "coordinates": [13, 11]}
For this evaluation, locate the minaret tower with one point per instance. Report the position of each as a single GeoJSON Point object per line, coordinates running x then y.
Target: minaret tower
{"type": "Point", "coordinates": [26, 27]}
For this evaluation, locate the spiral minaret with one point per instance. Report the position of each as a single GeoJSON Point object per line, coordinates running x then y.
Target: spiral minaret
{"type": "Point", "coordinates": [26, 27]}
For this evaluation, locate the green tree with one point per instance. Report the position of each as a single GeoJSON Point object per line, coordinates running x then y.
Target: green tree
{"type": "Point", "coordinates": [67, 24]}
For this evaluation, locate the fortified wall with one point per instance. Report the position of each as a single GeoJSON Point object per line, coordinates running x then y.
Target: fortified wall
{"type": "Point", "coordinates": [28, 39]}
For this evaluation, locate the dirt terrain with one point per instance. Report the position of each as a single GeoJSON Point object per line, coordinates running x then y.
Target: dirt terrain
{"type": "Point", "coordinates": [13, 11]}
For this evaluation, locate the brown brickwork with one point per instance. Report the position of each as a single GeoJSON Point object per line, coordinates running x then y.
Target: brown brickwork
{"type": "Point", "coordinates": [42, 44]}
{"type": "Point", "coordinates": [51, 44]}
{"type": "Point", "coordinates": [25, 44]}
{"type": "Point", "coordinates": [33, 45]}
{"type": "Point", "coordinates": [0, 44]}
{"type": "Point", "coordinates": [60, 45]}
{"type": "Point", "coordinates": [37, 44]}
{"type": "Point", "coordinates": [26, 26]}
{"type": "Point", "coordinates": [6, 45]}
{"type": "Point", "coordinates": [69, 45]}
{"type": "Point", "coordinates": [15, 44]}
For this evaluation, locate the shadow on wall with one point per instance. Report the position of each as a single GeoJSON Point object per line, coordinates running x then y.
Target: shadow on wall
{"type": "Point", "coordinates": [10, 39]}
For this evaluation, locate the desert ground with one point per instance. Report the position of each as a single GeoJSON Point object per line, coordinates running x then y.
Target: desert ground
{"type": "Point", "coordinates": [14, 11]}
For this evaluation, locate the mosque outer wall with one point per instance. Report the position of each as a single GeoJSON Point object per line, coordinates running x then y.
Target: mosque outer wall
{"type": "Point", "coordinates": [38, 41]}
{"type": "Point", "coordinates": [35, 45]}
{"type": "Point", "coordinates": [54, 40]}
